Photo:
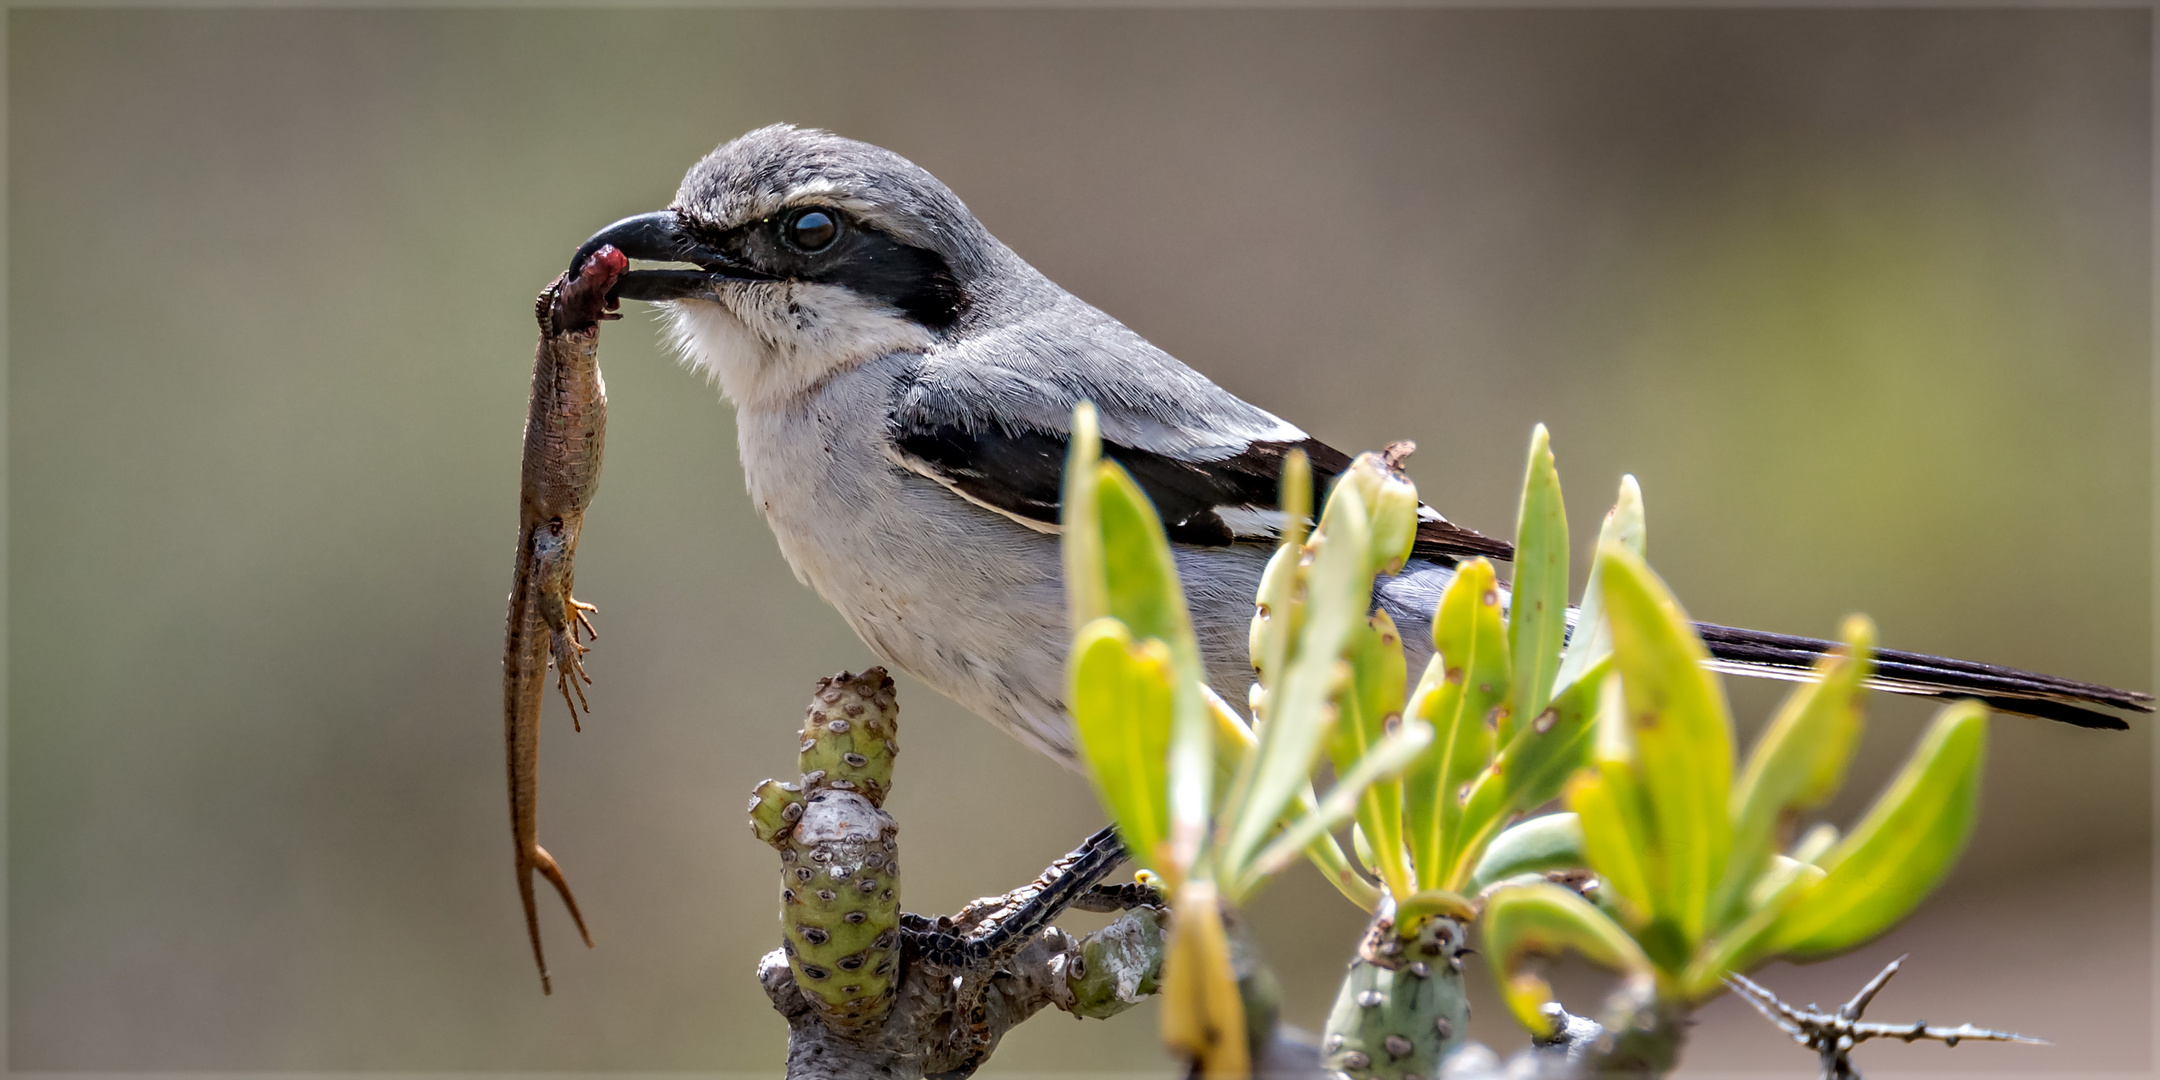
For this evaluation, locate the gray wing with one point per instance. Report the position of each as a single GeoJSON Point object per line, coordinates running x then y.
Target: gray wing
{"type": "Point", "coordinates": [990, 419]}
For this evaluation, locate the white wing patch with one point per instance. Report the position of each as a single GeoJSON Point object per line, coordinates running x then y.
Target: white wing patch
{"type": "Point", "coordinates": [913, 465]}
{"type": "Point", "coordinates": [1255, 522]}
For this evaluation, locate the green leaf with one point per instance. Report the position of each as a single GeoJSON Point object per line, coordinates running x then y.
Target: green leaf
{"type": "Point", "coordinates": [1466, 683]}
{"type": "Point", "coordinates": [1233, 740]}
{"type": "Point", "coordinates": [1900, 851]}
{"type": "Point", "coordinates": [1536, 763]}
{"type": "Point", "coordinates": [1800, 759]}
{"type": "Point", "coordinates": [1592, 639]}
{"type": "Point", "coordinates": [1681, 734]}
{"type": "Point", "coordinates": [1365, 856]}
{"type": "Point", "coordinates": [1370, 705]}
{"type": "Point", "coordinates": [1203, 1015]}
{"type": "Point", "coordinates": [1300, 712]}
{"type": "Point", "coordinates": [1142, 585]}
{"type": "Point", "coordinates": [1139, 571]}
{"type": "Point", "coordinates": [1545, 842]}
{"type": "Point", "coordinates": [1615, 839]}
{"type": "Point", "coordinates": [1390, 757]}
{"type": "Point", "coordinates": [1743, 945]}
{"type": "Point", "coordinates": [1278, 611]}
{"type": "Point", "coordinates": [1530, 770]}
{"type": "Point", "coordinates": [1327, 856]}
{"type": "Point", "coordinates": [1522, 921]}
{"type": "Point", "coordinates": [1087, 597]}
{"type": "Point", "coordinates": [1537, 613]}
{"type": "Point", "coordinates": [1416, 908]}
{"type": "Point", "coordinates": [1121, 709]}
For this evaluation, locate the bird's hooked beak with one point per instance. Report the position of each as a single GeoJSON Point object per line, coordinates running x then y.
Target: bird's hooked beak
{"type": "Point", "coordinates": [659, 237]}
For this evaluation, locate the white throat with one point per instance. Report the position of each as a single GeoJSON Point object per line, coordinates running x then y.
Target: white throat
{"type": "Point", "coordinates": [765, 342]}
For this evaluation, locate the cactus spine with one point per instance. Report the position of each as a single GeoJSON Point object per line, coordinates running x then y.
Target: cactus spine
{"type": "Point", "coordinates": [839, 856]}
{"type": "Point", "coordinates": [1402, 1008]}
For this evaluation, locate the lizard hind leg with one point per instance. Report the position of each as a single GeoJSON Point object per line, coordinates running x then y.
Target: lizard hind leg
{"type": "Point", "coordinates": [568, 654]}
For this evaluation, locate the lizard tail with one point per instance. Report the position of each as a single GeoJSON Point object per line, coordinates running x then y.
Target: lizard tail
{"type": "Point", "coordinates": [540, 860]}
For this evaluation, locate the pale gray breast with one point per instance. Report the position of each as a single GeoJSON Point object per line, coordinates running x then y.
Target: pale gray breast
{"type": "Point", "coordinates": [960, 597]}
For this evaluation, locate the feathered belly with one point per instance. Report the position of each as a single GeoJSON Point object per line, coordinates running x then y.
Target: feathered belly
{"type": "Point", "coordinates": [952, 594]}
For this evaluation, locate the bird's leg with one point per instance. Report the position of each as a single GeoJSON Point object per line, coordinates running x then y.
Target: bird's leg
{"type": "Point", "coordinates": [1007, 922]}
{"type": "Point", "coordinates": [1126, 897]}
{"type": "Point", "coordinates": [976, 943]}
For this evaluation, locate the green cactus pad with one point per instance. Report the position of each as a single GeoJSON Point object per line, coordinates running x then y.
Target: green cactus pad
{"type": "Point", "coordinates": [1402, 1008]}
{"type": "Point", "coordinates": [839, 853]}
{"type": "Point", "coordinates": [850, 734]}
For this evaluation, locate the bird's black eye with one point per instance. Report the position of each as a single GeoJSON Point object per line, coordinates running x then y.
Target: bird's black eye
{"type": "Point", "coordinates": [812, 230]}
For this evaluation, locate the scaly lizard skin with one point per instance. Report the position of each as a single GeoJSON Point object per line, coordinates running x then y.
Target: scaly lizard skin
{"type": "Point", "coordinates": [563, 435]}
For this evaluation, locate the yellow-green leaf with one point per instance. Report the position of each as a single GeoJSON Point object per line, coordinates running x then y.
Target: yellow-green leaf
{"type": "Point", "coordinates": [1800, 759]}
{"type": "Point", "coordinates": [1087, 597]}
{"type": "Point", "coordinates": [1529, 771]}
{"type": "Point", "coordinates": [1739, 948]}
{"type": "Point", "coordinates": [1545, 842]}
{"type": "Point", "coordinates": [1233, 741]}
{"type": "Point", "coordinates": [1144, 593]}
{"type": "Point", "coordinates": [1537, 612]}
{"type": "Point", "coordinates": [1388, 758]}
{"type": "Point", "coordinates": [1203, 1017]}
{"type": "Point", "coordinates": [1535, 765]}
{"type": "Point", "coordinates": [1591, 640]}
{"type": "Point", "coordinates": [1615, 840]}
{"type": "Point", "coordinates": [1300, 709]}
{"type": "Point", "coordinates": [1681, 732]}
{"type": "Point", "coordinates": [1278, 610]}
{"type": "Point", "coordinates": [1522, 921]}
{"type": "Point", "coordinates": [1900, 851]}
{"type": "Point", "coordinates": [1371, 703]}
{"type": "Point", "coordinates": [1121, 709]}
{"type": "Point", "coordinates": [1463, 687]}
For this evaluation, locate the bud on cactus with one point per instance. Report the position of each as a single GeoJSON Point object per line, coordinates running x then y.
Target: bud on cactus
{"type": "Point", "coordinates": [1392, 501]}
{"type": "Point", "coordinates": [1275, 610]}
{"type": "Point", "coordinates": [839, 856]}
{"type": "Point", "coordinates": [1117, 965]}
{"type": "Point", "coordinates": [1402, 1008]}
{"type": "Point", "coordinates": [774, 809]}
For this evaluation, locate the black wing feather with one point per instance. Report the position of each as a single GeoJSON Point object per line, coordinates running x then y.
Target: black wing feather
{"type": "Point", "coordinates": [1020, 473]}
{"type": "Point", "coordinates": [2005, 689]}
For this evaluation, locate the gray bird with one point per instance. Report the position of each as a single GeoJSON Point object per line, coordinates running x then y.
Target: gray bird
{"type": "Point", "coordinates": [903, 384]}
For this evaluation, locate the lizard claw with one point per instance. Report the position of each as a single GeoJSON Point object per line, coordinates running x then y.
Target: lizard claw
{"type": "Point", "coordinates": [578, 609]}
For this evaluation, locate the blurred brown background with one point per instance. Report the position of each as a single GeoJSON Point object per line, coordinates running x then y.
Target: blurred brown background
{"type": "Point", "coordinates": [1862, 298]}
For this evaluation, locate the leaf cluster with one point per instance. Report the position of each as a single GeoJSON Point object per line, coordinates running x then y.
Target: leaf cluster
{"type": "Point", "coordinates": [1698, 874]}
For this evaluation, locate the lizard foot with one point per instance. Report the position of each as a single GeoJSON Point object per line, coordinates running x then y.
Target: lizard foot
{"type": "Point", "coordinates": [569, 659]}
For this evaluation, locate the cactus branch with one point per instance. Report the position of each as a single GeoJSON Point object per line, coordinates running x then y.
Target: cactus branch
{"type": "Point", "coordinates": [1833, 1035]}
{"type": "Point", "coordinates": [871, 991]}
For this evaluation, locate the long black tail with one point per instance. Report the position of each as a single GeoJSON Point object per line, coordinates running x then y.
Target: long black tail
{"type": "Point", "coordinates": [1783, 656]}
